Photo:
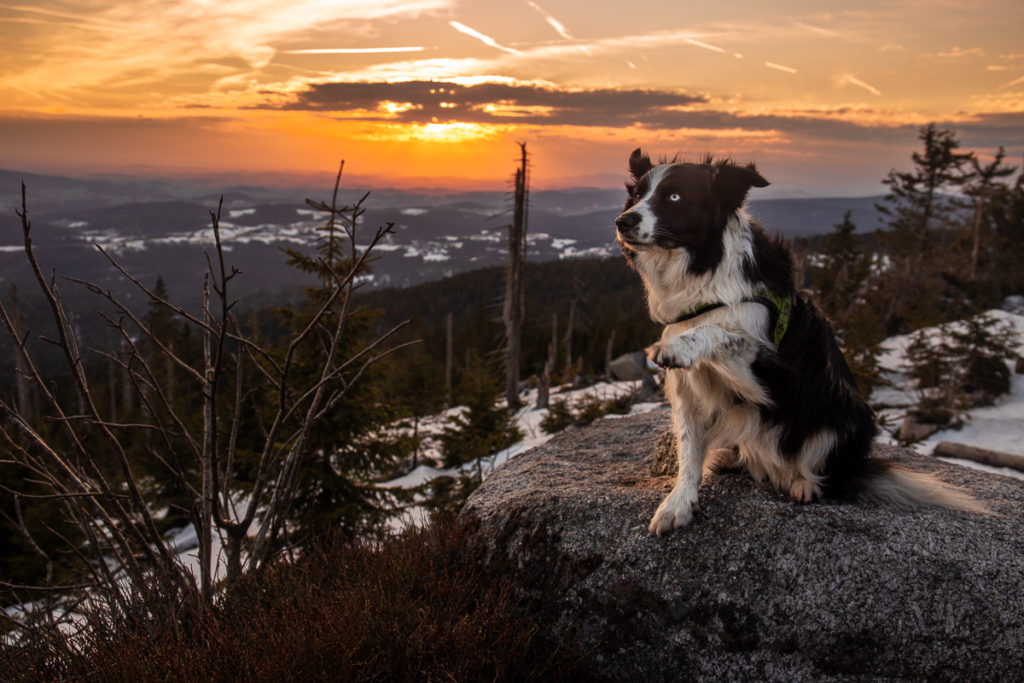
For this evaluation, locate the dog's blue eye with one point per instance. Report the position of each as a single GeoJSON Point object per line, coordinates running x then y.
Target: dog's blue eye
{"type": "Point", "coordinates": [674, 197]}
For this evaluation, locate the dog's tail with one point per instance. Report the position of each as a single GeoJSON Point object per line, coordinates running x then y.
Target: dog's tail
{"type": "Point", "coordinates": [910, 488]}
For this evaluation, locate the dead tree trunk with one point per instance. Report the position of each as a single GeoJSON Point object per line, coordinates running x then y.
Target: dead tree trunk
{"type": "Point", "coordinates": [448, 360]}
{"type": "Point", "coordinates": [513, 308]}
{"type": "Point", "coordinates": [608, 355]}
{"type": "Point", "coordinates": [568, 340]}
{"type": "Point", "coordinates": [544, 383]}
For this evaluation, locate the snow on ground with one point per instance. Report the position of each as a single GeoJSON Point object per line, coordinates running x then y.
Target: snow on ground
{"type": "Point", "coordinates": [999, 427]}
{"type": "Point", "coordinates": [528, 419]}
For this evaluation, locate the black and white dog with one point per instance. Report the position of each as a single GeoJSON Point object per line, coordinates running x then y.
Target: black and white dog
{"type": "Point", "coordinates": [754, 375]}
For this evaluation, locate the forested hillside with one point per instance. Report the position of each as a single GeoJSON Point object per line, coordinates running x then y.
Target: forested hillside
{"type": "Point", "coordinates": [602, 300]}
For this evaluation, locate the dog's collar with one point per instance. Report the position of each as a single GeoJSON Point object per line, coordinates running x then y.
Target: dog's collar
{"type": "Point", "coordinates": [696, 312]}
{"type": "Point", "coordinates": [780, 304]}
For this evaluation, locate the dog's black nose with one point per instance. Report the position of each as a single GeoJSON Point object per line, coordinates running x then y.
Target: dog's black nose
{"type": "Point", "coordinates": [627, 221]}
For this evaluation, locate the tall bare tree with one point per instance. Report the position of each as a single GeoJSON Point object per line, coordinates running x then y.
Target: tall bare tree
{"type": "Point", "coordinates": [513, 310]}
{"type": "Point", "coordinates": [984, 180]}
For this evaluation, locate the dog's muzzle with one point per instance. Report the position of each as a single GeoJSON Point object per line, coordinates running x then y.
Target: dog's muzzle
{"type": "Point", "coordinates": [626, 224]}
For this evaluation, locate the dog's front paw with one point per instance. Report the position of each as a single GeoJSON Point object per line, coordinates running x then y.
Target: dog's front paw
{"type": "Point", "coordinates": [803, 491]}
{"type": "Point", "coordinates": [675, 512]}
{"type": "Point", "coordinates": [675, 352]}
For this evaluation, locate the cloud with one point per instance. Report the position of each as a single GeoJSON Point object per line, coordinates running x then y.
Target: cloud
{"type": "Point", "coordinates": [542, 106]}
{"type": "Point", "coordinates": [105, 43]}
{"type": "Point", "coordinates": [958, 52]}
{"type": "Point", "coordinates": [503, 101]}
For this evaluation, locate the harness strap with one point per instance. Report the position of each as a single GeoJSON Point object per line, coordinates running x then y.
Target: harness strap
{"type": "Point", "coordinates": [780, 305]}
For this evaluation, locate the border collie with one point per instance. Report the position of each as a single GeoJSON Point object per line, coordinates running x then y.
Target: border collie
{"type": "Point", "coordinates": [754, 375]}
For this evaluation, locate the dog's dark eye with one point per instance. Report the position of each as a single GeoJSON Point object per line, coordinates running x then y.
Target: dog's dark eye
{"type": "Point", "coordinates": [674, 197]}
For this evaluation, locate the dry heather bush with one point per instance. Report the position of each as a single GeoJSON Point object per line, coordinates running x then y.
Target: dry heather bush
{"type": "Point", "coordinates": [418, 607]}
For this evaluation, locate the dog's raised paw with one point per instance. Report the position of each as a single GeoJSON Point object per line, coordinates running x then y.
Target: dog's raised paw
{"type": "Point", "coordinates": [677, 352]}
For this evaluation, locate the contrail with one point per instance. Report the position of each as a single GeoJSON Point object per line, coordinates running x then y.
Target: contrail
{"type": "Point", "coordinates": [706, 46]}
{"type": "Point", "coordinates": [486, 40]}
{"type": "Point", "coordinates": [779, 67]}
{"type": "Point", "coordinates": [870, 88]}
{"type": "Point", "coordinates": [555, 23]}
{"type": "Point", "coordinates": [853, 80]}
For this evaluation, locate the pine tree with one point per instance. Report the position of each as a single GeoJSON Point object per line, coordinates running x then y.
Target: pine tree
{"type": "Point", "coordinates": [961, 365]}
{"type": "Point", "coordinates": [982, 347]}
{"type": "Point", "coordinates": [980, 190]}
{"type": "Point", "coordinates": [843, 287]}
{"type": "Point", "coordinates": [346, 453]}
{"type": "Point", "coordinates": [1005, 212]}
{"type": "Point", "coordinates": [415, 387]}
{"type": "Point", "coordinates": [484, 427]}
{"type": "Point", "coordinates": [920, 209]}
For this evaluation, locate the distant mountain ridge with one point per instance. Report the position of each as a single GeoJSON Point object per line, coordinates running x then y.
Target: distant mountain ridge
{"type": "Point", "coordinates": [161, 227]}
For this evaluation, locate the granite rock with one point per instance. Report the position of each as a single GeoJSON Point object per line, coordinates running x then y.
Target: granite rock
{"type": "Point", "coordinates": [757, 587]}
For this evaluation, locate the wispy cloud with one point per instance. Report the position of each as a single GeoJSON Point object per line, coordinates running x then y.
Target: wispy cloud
{"type": "Point", "coordinates": [828, 33]}
{"type": "Point", "coordinates": [169, 42]}
{"type": "Point", "coordinates": [958, 52]}
{"type": "Point", "coordinates": [485, 39]}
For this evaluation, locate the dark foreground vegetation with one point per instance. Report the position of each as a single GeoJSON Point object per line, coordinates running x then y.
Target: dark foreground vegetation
{"type": "Point", "coordinates": [417, 607]}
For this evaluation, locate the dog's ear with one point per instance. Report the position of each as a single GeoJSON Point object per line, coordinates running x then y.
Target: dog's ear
{"type": "Point", "coordinates": [731, 184]}
{"type": "Point", "coordinates": [639, 164]}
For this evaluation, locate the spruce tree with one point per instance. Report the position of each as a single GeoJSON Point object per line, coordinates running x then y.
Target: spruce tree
{"type": "Point", "coordinates": [983, 185]}
{"type": "Point", "coordinates": [1005, 212]}
{"type": "Point", "coordinates": [961, 365]}
{"type": "Point", "coordinates": [484, 427]}
{"type": "Point", "coordinates": [920, 209]}
{"type": "Point", "coordinates": [844, 287]}
{"type": "Point", "coordinates": [347, 453]}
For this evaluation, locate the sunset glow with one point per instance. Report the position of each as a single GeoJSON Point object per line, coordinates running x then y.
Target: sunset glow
{"type": "Point", "coordinates": [825, 99]}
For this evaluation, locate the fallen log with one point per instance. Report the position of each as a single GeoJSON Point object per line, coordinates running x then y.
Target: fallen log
{"type": "Point", "coordinates": [948, 449]}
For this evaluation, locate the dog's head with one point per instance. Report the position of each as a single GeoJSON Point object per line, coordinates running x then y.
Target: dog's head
{"type": "Point", "coordinates": [676, 205]}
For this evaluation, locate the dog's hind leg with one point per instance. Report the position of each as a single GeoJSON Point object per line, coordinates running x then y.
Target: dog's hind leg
{"type": "Point", "coordinates": [806, 486]}
{"type": "Point", "coordinates": [722, 460]}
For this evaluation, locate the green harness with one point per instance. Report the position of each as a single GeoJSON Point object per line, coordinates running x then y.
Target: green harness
{"type": "Point", "coordinates": [780, 304]}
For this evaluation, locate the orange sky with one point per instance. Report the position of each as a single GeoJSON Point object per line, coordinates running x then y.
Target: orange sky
{"type": "Point", "coordinates": [436, 92]}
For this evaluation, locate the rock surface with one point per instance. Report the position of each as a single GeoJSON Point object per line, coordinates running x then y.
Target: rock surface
{"type": "Point", "coordinates": [757, 587]}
